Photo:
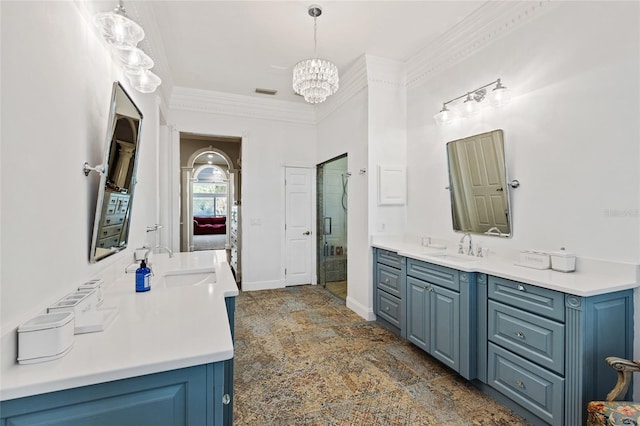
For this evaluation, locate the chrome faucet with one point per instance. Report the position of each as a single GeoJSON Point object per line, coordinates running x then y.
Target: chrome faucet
{"type": "Point", "coordinates": [470, 249]}
{"type": "Point", "coordinates": [167, 249]}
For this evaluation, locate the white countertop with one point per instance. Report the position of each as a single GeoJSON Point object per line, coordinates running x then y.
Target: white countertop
{"type": "Point", "coordinates": [163, 329]}
{"type": "Point", "coordinates": [586, 282]}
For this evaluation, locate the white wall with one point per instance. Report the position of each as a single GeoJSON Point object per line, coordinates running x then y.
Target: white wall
{"type": "Point", "coordinates": [267, 145]}
{"type": "Point", "coordinates": [387, 138]}
{"type": "Point", "coordinates": [346, 130]}
{"type": "Point", "coordinates": [571, 132]}
{"type": "Point", "coordinates": [56, 89]}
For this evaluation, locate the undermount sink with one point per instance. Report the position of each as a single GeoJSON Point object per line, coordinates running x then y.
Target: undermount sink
{"type": "Point", "coordinates": [454, 257]}
{"type": "Point", "coordinates": [188, 278]}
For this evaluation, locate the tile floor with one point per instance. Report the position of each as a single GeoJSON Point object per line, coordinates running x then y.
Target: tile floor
{"type": "Point", "coordinates": [303, 358]}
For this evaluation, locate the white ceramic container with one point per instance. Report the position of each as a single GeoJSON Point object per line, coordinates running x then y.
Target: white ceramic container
{"type": "Point", "coordinates": [563, 261]}
{"type": "Point", "coordinates": [45, 337]}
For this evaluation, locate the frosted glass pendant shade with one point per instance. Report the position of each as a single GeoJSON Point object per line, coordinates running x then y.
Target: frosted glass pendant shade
{"type": "Point", "coordinates": [500, 95]}
{"type": "Point", "coordinates": [445, 115]}
{"type": "Point", "coordinates": [133, 60]}
{"type": "Point", "coordinates": [145, 81]}
{"type": "Point", "coordinates": [117, 29]}
{"type": "Point", "coordinates": [315, 79]}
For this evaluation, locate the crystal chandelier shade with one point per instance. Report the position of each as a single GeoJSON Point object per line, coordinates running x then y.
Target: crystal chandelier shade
{"type": "Point", "coordinates": [117, 29]}
{"type": "Point", "coordinates": [123, 35]}
{"type": "Point", "coordinates": [315, 79]}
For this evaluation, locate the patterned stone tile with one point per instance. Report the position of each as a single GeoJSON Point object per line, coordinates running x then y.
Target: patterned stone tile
{"type": "Point", "coordinates": [303, 358]}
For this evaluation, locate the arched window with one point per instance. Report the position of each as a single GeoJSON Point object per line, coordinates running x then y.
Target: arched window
{"type": "Point", "coordinates": [210, 191]}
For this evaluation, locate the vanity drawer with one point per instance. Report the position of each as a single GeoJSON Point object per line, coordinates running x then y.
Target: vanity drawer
{"type": "Point", "coordinates": [389, 279]}
{"type": "Point", "coordinates": [109, 231]}
{"type": "Point", "coordinates": [434, 274]}
{"type": "Point", "coordinates": [538, 339]}
{"type": "Point", "coordinates": [109, 242]}
{"type": "Point", "coordinates": [389, 308]}
{"type": "Point", "coordinates": [541, 301]}
{"type": "Point", "coordinates": [389, 258]}
{"type": "Point", "coordinates": [114, 219]}
{"type": "Point", "coordinates": [536, 389]}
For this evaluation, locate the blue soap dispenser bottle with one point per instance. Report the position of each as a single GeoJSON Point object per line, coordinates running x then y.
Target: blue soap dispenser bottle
{"type": "Point", "coordinates": [143, 277]}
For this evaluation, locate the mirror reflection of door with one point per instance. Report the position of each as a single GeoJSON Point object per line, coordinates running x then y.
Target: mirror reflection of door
{"type": "Point", "coordinates": [478, 184]}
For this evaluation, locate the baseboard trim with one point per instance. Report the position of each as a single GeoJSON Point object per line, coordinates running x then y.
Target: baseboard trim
{"type": "Point", "coordinates": [262, 285]}
{"type": "Point", "coordinates": [363, 311]}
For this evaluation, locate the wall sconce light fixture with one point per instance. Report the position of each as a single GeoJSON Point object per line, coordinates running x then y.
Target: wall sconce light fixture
{"type": "Point", "coordinates": [498, 96]}
{"type": "Point", "coordinates": [122, 34]}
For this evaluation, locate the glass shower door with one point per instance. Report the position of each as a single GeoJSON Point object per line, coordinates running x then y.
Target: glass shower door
{"type": "Point", "coordinates": [332, 178]}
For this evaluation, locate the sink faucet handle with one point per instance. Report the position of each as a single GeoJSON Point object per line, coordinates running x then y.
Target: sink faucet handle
{"type": "Point", "coordinates": [460, 251]}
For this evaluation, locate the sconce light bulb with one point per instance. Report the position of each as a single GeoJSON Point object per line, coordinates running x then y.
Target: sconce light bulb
{"type": "Point", "coordinates": [500, 95]}
{"type": "Point", "coordinates": [469, 106]}
{"type": "Point", "coordinates": [444, 116]}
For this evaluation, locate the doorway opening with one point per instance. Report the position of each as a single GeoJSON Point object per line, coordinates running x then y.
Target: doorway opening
{"type": "Point", "coordinates": [210, 195]}
{"type": "Point", "coordinates": [332, 210]}
{"type": "Point", "coordinates": [209, 201]}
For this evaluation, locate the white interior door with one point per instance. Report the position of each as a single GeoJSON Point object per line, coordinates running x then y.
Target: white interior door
{"type": "Point", "coordinates": [298, 233]}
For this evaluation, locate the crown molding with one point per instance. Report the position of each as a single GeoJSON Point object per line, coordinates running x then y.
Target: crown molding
{"type": "Point", "coordinates": [386, 72]}
{"type": "Point", "coordinates": [352, 81]}
{"type": "Point", "coordinates": [492, 20]}
{"type": "Point", "coordinates": [186, 99]}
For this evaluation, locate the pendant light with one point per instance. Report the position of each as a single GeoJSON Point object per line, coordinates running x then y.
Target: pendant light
{"type": "Point", "coordinates": [117, 29]}
{"type": "Point", "coordinates": [315, 79]}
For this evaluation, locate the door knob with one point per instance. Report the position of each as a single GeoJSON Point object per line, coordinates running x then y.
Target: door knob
{"type": "Point", "coordinates": [307, 233]}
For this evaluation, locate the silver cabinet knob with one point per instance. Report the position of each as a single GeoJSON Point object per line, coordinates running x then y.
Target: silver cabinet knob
{"type": "Point", "coordinates": [386, 280]}
{"type": "Point", "coordinates": [226, 399]}
{"type": "Point", "coordinates": [386, 309]}
{"type": "Point", "coordinates": [520, 384]}
{"type": "Point", "coordinates": [520, 334]}
{"type": "Point", "coordinates": [521, 288]}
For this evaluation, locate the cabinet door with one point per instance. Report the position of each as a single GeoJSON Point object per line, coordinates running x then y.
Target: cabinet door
{"type": "Point", "coordinates": [174, 398]}
{"type": "Point", "coordinates": [418, 313]}
{"type": "Point", "coordinates": [444, 327]}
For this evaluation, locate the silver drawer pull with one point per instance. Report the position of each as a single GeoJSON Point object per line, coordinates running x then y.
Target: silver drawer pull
{"type": "Point", "coordinates": [520, 384]}
{"type": "Point", "coordinates": [520, 334]}
{"type": "Point", "coordinates": [521, 288]}
{"type": "Point", "coordinates": [386, 280]}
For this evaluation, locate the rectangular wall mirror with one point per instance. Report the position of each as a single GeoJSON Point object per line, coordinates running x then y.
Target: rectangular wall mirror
{"type": "Point", "coordinates": [115, 194]}
{"type": "Point", "coordinates": [478, 185]}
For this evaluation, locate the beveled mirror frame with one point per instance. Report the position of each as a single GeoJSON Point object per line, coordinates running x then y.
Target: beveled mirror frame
{"type": "Point", "coordinates": [478, 186]}
{"type": "Point", "coordinates": [118, 176]}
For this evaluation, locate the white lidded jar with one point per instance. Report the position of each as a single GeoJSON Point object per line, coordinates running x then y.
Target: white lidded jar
{"type": "Point", "coordinates": [563, 261]}
{"type": "Point", "coordinates": [45, 337]}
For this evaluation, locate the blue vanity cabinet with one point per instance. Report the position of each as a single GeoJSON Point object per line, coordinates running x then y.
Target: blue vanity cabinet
{"type": "Point", "coordinates": [545, 349]}
{"type": "Point", "coordinates": [441, 314]}
{"type": "Point", "coordinates": [227, 409]}
{"type": "Point", "coordinates": [190, 396]}
{"type": "Point", "coordinates": [390, 290]}
{"type": "Point", "coordinates": [195, 396]}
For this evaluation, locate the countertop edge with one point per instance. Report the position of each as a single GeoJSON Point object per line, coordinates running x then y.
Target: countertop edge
{"type": "Point", "coordinates": [505, 269]}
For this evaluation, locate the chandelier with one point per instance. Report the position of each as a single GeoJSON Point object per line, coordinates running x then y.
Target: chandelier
{"type": "Point", "coordinates": [315, 79]}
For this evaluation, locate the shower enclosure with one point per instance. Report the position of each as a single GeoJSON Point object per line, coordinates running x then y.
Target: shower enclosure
{"type": "Point", "coordinates": [332, 189]}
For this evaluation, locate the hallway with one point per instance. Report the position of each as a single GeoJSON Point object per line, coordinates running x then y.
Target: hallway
{"type": "Point", "coordinates": [302, 357]}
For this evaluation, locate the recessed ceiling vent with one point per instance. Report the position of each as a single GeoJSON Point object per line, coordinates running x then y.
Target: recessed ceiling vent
{"type": "Point", "coordinates": [266, 91]}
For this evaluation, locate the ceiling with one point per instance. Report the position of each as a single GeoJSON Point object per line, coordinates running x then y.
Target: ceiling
{"type": "Point", "coordinates": [238, 46]}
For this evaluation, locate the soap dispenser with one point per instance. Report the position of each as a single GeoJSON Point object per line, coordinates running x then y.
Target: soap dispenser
{"type": "Point", "coordinates": [143, 276]}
